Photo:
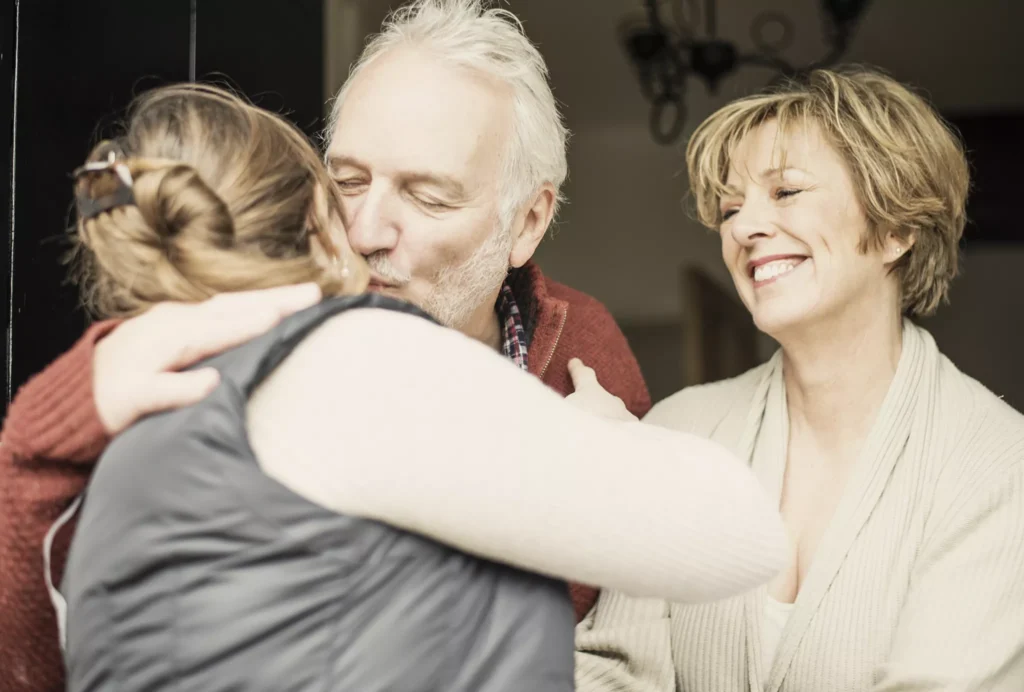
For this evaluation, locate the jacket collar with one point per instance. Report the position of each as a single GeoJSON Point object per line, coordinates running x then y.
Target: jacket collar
{"type": "Point", "coordinates": [543, 314]}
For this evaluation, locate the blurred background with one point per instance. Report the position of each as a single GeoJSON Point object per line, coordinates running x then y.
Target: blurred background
{"type": "Point", "coordinates": [625, 237]}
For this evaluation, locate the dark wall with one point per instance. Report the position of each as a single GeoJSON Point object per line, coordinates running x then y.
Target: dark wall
{"type": "Point", "coordinates": [271, 50]}
{"type": "Point", "coordinates": [79, 65]}
{"type": "Point", "coordinates": [995, 149]}
{"type": "Point", "coordinates": [7, 52]}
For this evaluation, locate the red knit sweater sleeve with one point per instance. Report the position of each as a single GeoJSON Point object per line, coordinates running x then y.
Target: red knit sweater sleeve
{"type": "Point", "coordinates": [592, 335]}
{"type": "Point", "coordinates": [51, 438]}
{"type": "Point", "coordinates": [589, 332]}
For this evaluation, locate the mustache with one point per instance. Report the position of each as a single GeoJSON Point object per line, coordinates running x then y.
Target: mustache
{"type": "Point", "coordinates": [381, 265]}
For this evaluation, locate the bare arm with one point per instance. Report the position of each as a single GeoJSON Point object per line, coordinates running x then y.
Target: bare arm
{"type": "Point", "coordinates": [386, 416]}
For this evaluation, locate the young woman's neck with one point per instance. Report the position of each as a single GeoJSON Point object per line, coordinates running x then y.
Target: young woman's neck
{"type": "Point", "coordinates": [838, 372]}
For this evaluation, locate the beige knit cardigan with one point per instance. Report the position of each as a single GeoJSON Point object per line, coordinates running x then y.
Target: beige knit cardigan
{"type": "Point", "coordinates": [918, 584]}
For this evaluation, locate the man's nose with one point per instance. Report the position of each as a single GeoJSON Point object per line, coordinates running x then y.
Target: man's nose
{"type": "Point", "coordinates": [371, 222]}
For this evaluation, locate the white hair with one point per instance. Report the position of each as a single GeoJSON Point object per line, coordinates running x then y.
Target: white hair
{"type": "Point", "coordinates": [473, 34]}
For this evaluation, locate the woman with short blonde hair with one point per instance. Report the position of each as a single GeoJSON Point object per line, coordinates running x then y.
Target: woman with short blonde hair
{"type": "Point", "coordinates": [840, 201]}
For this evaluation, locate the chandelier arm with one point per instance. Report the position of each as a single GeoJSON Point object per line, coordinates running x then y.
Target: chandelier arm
{"type": "Point", "coordinates": [665, 55]}
{"type": "Point", "coordinates": [653, 16]}
{"type": "Point", "coordinates": [681, 53]}
{"type": "Point", "coordinates": [838, 46]}
{"type": "Point", "coordinates": [764, 19]}
{"type": "Point", "coordinates": [679, 14]}
{"type": "Point", "coordinates": [664, 79]}
{"type": "Point", "coordinates": [684, 44]}
{"type": "Point", "coordinates": [667, 135]}
{"type": "Point", "coordinates": [710, 19]}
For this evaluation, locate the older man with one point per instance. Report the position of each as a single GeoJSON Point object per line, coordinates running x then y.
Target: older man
{"type": "Point", "coordinates": [448, 147]}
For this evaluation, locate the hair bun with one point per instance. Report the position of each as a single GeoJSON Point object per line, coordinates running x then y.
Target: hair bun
{"type": "Point", "coordinates": [175, 199]}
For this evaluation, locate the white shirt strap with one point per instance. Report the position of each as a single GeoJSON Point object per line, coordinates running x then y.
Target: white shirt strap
{"type": "Point", "coordinates": [59, 604]}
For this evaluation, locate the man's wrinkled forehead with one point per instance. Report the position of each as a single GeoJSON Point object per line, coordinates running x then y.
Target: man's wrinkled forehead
{"type": "Point", "coordinates": [405, 113]}
{"type": "Point", "coordinates": [339, 164]}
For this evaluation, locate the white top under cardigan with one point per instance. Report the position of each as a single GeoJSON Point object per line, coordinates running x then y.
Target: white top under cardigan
{"type": "Point", "coordinates": [773, 624]}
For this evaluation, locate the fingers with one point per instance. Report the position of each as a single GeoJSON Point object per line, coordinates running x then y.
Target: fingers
{"type": "Point", "coordinates": [581, 375]}
{"type": "Point", "coordinates": [230, 319]}
{"type": "Point", "coordinates": [134, 366]}
{"type": "Point", "coordinates": [178, 389]}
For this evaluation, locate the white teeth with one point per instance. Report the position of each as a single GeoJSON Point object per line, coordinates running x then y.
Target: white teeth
{"type": "Point", "coordinates": [774, 269]}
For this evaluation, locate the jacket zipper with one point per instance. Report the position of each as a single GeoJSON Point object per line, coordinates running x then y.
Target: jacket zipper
{"type": "Point", "coordinates": [554, 348]}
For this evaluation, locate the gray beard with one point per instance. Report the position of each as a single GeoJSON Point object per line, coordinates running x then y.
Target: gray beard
{"type": "Point", "coordinates": [457, 291]}
{"type": "Point", "coordinates": [460, 290]}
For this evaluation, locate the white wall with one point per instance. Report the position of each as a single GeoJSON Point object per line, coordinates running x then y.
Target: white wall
{"type": "Point", "coordinates": [624, 237]}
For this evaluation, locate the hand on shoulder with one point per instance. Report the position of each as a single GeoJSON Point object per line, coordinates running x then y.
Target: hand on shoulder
{"type": "Point", "coordinates": [136, 369]}
{"type": "Point", "coordinates": [590, 396]}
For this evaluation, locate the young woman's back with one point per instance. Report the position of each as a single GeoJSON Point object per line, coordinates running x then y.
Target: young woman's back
{"type": "Point", "coordinates": [193, 569]}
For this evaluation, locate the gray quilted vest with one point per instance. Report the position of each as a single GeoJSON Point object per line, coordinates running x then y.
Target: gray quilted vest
{"type": "Point", "coordinates": [192, 570]}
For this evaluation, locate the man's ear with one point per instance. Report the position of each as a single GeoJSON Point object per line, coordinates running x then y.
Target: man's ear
{"type": "Point", "coordinates": [531, 224]}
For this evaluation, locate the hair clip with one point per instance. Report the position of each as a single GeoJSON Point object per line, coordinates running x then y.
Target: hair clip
{"type": "Point", "coordinates": [87, 205]}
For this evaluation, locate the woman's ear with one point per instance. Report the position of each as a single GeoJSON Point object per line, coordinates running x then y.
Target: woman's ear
{"type": "Point", "coordinates": [895, 247]}
{"type": "Point", "coordinates": [332, 248]}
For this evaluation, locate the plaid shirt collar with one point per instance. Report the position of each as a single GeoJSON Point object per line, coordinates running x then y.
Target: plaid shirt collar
{"type": "Point", "coordinates": [513, 335]}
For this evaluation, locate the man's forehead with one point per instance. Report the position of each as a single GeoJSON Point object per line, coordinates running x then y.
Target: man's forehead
{"type": "Point", "coordinates": [339, 163]}
{"type": "Point", "coordinates": [420, 115]}
{"type": "Point", "coordinates": [420, 162]}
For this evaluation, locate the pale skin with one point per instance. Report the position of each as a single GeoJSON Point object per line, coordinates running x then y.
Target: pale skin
{"type": "Point", "coordinates": [325, 426]}
{"type": "Point", "coordinates": [136, 367]}
{"type": "Point", "coordinates": [836, 316]}
{"type": "Point", "coordinates": [135, 375]}
{"type": "Point", "coordinates": [417, 154]}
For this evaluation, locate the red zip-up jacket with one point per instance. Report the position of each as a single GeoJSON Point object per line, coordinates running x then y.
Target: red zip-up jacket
{"type": "Point", "coordinates": [52, 438]}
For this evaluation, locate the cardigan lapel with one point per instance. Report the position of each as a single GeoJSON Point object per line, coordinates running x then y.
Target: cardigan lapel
{"type": "Point", "coordinates": [767, 454]}
{"type": "Point", "coordinates": [740, 430]}
{"type": "Point", "coordinates": [884, 446]}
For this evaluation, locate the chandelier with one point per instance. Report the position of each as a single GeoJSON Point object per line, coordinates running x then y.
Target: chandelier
{"type": "Point", "coordinates": [666, 53]}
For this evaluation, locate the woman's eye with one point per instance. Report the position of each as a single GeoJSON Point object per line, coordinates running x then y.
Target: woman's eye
{"type": "Point", "coordinates": [786, 192]}
{"type": "Point", "coordinates": [728, 213]}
